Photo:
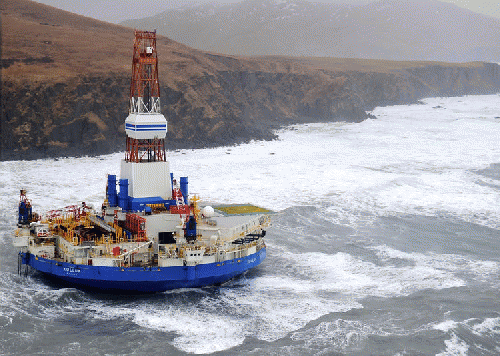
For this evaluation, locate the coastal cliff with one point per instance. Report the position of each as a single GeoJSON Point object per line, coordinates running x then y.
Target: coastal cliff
{"type": "Point", "coordinates": [85, 116]}
{"type": "Point", "coordinates": [62, 96]}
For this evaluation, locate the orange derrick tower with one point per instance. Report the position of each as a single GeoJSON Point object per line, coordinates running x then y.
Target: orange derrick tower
{"type": "Point", "coordinates": [145, 126]}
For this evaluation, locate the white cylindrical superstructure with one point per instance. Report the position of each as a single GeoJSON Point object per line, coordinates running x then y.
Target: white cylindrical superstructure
{"type": "Point", "coordinates": [147, 179]}
{"type": "Point", "coordinates": [146, 126]}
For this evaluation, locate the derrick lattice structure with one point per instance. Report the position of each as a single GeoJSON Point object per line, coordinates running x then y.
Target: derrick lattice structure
{"type": "Point", "coordinates": [144, 87]}
{"type": "Point", "coordinates": [147, 128]}
{"type": "Point", "coordinates": [145, 150]}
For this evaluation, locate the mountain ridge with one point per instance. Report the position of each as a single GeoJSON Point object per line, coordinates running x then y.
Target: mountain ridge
{"type": "Point", "coordinates": [386, 29]}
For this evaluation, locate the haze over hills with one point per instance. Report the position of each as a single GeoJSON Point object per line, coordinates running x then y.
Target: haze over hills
{"type": "Point", "coordinates": [65, 84]}
{"type": "Point", "coordinates": [386, 29]}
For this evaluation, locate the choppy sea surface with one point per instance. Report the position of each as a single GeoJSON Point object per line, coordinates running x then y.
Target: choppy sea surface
{"type": "Point", "coordinates": [385, 241]}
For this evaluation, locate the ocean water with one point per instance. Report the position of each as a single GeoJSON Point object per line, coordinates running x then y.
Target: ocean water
{"type": "Point", "coordinates": [385, 241]}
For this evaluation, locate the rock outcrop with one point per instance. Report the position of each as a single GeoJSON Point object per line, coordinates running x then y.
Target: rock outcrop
{"type": "Point", "coordinates": [86, 115]}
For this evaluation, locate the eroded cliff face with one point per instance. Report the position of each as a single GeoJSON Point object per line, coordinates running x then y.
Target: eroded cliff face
{"type": "Point", "coordinates": [65, 84]}
{"type": "Point", "coordinates": [85, 116]}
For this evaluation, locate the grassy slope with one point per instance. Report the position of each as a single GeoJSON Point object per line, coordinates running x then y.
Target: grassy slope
{"type": "Point", "coordinates": [80, 46]}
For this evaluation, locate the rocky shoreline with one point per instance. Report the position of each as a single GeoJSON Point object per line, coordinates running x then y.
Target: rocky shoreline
{"type": "Point", "coordinates": [85, 116]}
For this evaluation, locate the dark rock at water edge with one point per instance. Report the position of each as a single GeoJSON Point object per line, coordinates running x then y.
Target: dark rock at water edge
{"type": "Point", "coordinates": [85, 116]}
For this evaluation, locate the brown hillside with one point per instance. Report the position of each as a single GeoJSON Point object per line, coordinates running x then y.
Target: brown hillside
{"type": "Point", "coordinates": [384, 29]}
{"type": "Point", "coordinates": [76, 45]}
{"type": "Point", "coordinates": [65, 83]}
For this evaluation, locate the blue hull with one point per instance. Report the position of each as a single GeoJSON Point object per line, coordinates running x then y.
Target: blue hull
{"type": "Point", "coordinates": [143, 280]}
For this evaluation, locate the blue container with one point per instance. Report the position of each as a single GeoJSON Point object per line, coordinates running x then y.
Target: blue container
{"type": "Point", "coordinates": [169, 203]}
{"type": "Point", "coordinates": [190, 228]}
{"type": "Point", "coordinates": [123, 195]}
{"type": "Point", "coordinates": [184, 188]}
{"type": "Point", "coordinates": [140, 204]}
{"type": "Point", "coordinates": [112, 197]}
{"type": "Point", "coordinates": [25, 213]}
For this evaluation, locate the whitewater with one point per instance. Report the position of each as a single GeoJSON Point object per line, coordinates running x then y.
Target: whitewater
{"type": "Point", "coordinates": [385, 241]}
